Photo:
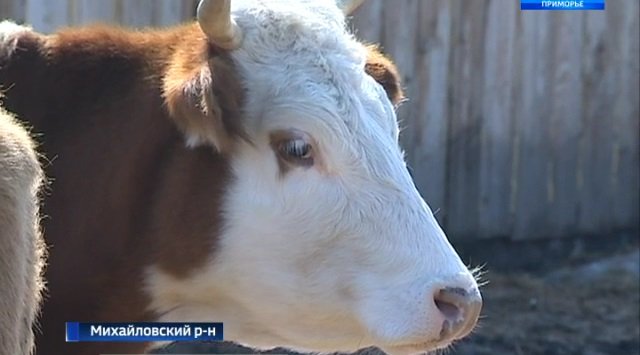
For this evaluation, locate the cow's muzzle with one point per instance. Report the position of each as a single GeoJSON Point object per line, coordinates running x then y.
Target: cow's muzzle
{"type": "Point", "coordinates": [460, 308]}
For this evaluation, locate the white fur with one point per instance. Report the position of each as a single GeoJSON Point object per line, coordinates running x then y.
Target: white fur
{"type": "Point", "coordinates": [21, 244]}
{"type": "Point", "coordinates": [8, 35]}
{"type": "Point", "coordinates": [324, 259]}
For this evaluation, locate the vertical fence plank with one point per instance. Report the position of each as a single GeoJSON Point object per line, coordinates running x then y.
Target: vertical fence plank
{"type": "Point", "coordinates": [531, 119]}
{"type": "Point", "coordinates": [496, 135]}
{"type": "Point", "coordinates": [565, 122]}
{"type": "Point", "coordinates": [465, 120]}
{"type": "Point", "coordinates": [427, 135]}
{"type": "Point", "coordinates": [595, 147]}
{"type": "Point", "coordinates": [626, 111]}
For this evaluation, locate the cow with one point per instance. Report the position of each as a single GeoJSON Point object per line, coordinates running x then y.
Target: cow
{"type": "Point", "coordinates": [243, 168]}
{"type": "Point", "coordinates": [21, 244]}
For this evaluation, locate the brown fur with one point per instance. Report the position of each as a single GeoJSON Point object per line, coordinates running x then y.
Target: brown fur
{"type": "Point", "coordinates": [21, 245]}
{"type": "Point", "coordinates": [385, 73]}
{"type": "Point", "coordinates": [204, 95]}
{"type": "Point", "coordinates": [126, 192]}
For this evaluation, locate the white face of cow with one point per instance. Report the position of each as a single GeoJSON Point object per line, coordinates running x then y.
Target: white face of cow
{"type": "Point", "coordinates": [328, 244]}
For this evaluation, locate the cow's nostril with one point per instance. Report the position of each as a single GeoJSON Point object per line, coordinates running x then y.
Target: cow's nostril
{"type": "Point", "coordinates": [450, 311]}
{"type": "Point", "coordinates": [460, 309]}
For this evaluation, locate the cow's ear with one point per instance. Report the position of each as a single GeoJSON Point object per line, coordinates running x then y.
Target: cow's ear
{"type": "Point", "coordinates": [203, 96]}
{"type": "Point", "coordinates": [382, 69]}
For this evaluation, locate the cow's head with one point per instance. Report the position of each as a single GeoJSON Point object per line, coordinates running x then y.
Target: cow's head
{"type": "Point", "coordinates": [327, 244]}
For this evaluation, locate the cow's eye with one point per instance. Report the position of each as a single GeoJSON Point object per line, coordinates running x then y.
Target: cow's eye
{"type": "Point", "coordinates": [296, 149]}
{"type": "Point", "coordinates": [293, 147]}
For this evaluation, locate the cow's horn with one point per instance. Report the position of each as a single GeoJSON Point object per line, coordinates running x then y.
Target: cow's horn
{"type": "Point", "coordinates": [214, 17]}
{"type": "Point", "coordinates": [349, 6]}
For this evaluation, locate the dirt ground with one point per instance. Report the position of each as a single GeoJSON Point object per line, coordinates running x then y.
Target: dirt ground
{"type": "Point", "coordinates": [588, 307]}
{"type": "Point", "coordinates": [591, 309]}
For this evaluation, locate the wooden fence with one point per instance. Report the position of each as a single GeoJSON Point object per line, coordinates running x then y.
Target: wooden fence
{"type": "Point", "coordinates": [519, 124]}
{"type": "Point", "coordinates": [48, 15]}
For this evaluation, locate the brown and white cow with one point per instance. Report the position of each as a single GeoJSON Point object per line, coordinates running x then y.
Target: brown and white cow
{"type": "Point", "coordinates": [243, 169]}
{"type": "Point", "coordinates": [21, 244]}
